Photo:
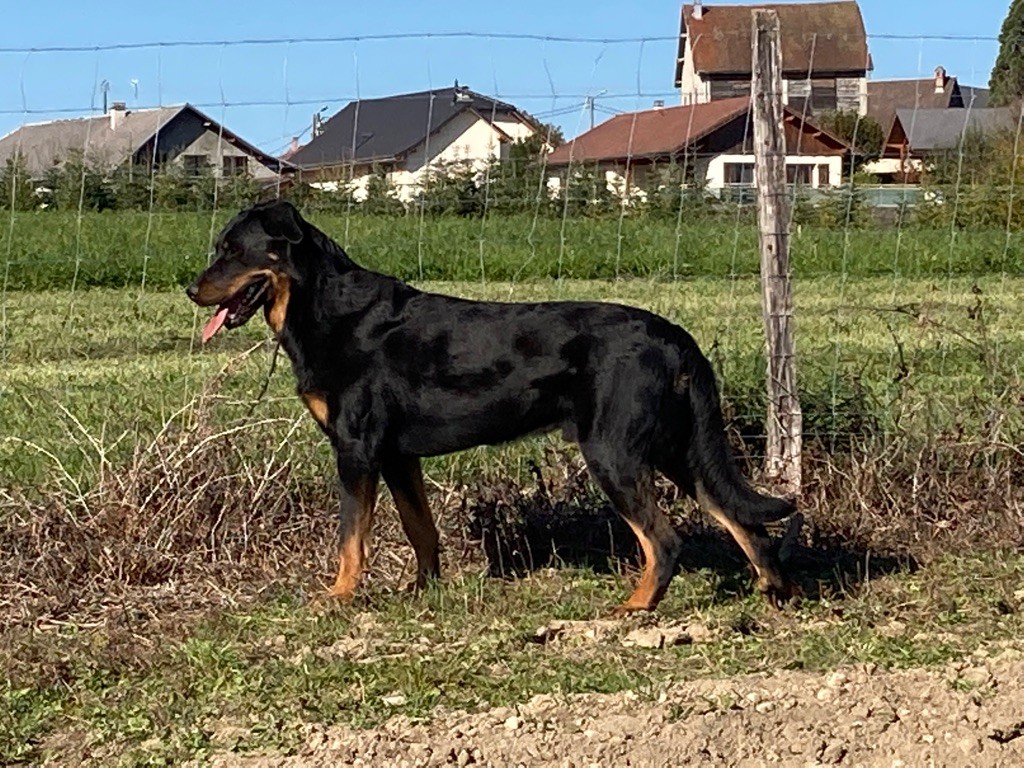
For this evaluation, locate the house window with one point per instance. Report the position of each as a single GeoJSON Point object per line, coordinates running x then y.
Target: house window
{"type": "Point", "coordinates": [729, 89]}
{"type": "Point", "coordinates": [823, 95]}
{"type": "Point", "coordinates": [739, 173]}
{"type": "Point", "coordinates": [236, 165]}
{"type": "Point", "coordinates": [799, 174]}
{"type": "Point", "coordinates": [823, 175]}
{"type": "Point", "coordinates": [821, 98]}
{"type": "Point", "coordinates": [194, 165]}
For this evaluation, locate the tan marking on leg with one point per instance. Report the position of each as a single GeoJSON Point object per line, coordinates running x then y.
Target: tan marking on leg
{"type": "Point", "coordinates": [351, 563]}
{"type": "Point", "coordinates": [406, 484]}
{"type": "Point", "coordinates": [646, 595]}
{"type": "Point", "coordinates": [354, 549]}
{"type": "Point", "coordinates": [317, 405]}
{"type": "Point", "coordinates": [768, 578]}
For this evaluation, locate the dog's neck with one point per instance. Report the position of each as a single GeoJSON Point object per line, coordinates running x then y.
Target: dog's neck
{"type": "Point", "coordinates": [328, 250]}
{"type": "Point", "coordinates": [329, 295]}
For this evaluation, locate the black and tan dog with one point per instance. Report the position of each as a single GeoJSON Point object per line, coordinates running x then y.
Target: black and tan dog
{"type": "Point", "coordinates": [392, 374]}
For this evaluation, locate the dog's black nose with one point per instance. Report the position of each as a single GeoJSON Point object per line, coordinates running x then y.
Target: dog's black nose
{"type": "Point", "coordinates": [192, 291]}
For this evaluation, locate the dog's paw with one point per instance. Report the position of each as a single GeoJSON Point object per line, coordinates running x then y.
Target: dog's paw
{"type": "Point", "coordinates": [781, 593]}
{"type": "Point", "coordinates": [628, 609]}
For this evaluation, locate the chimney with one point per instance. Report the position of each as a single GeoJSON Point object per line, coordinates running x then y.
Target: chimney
{"type": "Point", "coordinates": [659, 103]}
{"type": "Point", "coordinates": [698, 9]}
{"type": "Point", "coordinates": [293, 147]}
{"type": "Point", "coordinates": [940, 79]}
{"type": "Point", "coordinates": [118, 111]}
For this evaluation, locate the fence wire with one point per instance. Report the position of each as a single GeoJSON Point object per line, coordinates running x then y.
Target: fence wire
{"type": "Point", "coordinates": [906, 294]}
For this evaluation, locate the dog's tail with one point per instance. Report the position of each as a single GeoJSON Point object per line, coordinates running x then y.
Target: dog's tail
{"type": "Point", "coordinates": [711, 459]}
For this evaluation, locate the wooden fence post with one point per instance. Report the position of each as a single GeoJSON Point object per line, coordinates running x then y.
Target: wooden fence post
{"type": "Point", "coordinates": [785, 421]}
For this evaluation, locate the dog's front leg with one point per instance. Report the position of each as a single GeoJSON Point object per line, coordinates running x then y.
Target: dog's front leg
{"type": "Point", "coordinates": [358, 497]}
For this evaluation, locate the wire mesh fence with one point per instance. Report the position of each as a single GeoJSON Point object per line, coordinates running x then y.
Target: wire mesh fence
{"type": "Point", "coordinates": [906, 292]}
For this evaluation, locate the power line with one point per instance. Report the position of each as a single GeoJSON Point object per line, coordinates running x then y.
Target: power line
{"type": "Point", "coordinates": [257, 41]}
{"type": "Point", "coordinates": [305, 102]}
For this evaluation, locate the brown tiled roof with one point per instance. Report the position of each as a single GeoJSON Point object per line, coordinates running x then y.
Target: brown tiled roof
{"type": "Point", "coordinates": [829, 36]}
{"type": "Point", "coordinates": [886, 96]}
{"type": "Point", "coordinates": [651, 133]}
{"type": "Point", "coordinates": [661, 133]}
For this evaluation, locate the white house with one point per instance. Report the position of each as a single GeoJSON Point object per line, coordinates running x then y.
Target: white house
{"type": "Point", "coordinates": [407, 135]}
{"type": "Point", "coordinates": [714, 139]}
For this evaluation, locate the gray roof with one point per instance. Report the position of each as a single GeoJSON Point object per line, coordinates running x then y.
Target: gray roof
{"type": "Point", "coordinates": [936, 129]}
{"type": "Point", "coordinates": [885, 97]}
{"type": "Point", "coordinates": [383, 129]}
{"type": "Point", "coordinates": [45, 144]}
{"type": "Point", "coordinates": [974, 96]}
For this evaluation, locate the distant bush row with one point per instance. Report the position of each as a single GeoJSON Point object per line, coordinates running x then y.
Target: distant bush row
{"type": "Point", "coordinates": [42, 250]}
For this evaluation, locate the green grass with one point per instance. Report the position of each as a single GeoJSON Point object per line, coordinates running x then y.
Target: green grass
{"type": "Point", "coordinates": [89, 375]}
{"type": "Point", "coordinates": [47, 250]}
{"type": "Point", "coordinates": [266, 670]}
{"type": "Point", "coordinates": [110, 368]}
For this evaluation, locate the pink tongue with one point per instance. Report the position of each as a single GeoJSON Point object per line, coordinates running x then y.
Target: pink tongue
{"type": "Point", "coordinates": [215, 324]}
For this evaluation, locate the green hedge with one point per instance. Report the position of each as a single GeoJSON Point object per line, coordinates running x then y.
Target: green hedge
{"type": "Point", "coordinates": [48, 249]}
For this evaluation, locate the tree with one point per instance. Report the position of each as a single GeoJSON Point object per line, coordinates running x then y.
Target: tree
{"type": "Point", "coordinates": [381, 196]}
{"type": "Point", "coordinates": [517, 184]}
{"type": "Point", "coordinates": [861, 132]}
{"type": "Point", "coordinates": [17, 191]}
{"type": "Point", "coordinates": [551, 134]}
{"type": "Point", "coordinates": [1007, 80]}
{"type": "Point", "coordinates": [450, 188]}
{"type": "Point", "coordinates": [77, 182]}
{"type": "Point", "coordinates": [132, 186]}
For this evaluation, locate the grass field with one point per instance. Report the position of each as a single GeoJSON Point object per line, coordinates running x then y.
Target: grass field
{"type": "Point", "coordinates": [47, 250]}
{"type": "Point", "coordinates": [164, 526]}
{"type": "Point", "coordinates": [104, 367]}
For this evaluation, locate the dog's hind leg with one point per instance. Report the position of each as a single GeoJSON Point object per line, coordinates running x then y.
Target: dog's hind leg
{"type": "Point", "coordinates": [756, 545]}
{"type": "Point", "coordinates": [358, 498]}
{"type": "Point", "coordinates": [632, 494]}
{"type": "Point", "coordinates": [404, 478]}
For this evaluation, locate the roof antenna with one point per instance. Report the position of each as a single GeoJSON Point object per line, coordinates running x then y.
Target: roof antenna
{"type": "Point", "coordinates": [461, 94]}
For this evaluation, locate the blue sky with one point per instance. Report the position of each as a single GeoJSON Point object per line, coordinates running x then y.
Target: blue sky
{"type": "Point", "coordinates": [268, 92]}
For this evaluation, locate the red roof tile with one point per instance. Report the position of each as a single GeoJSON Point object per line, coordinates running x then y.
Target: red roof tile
{"type": "Point", "coordinates": [830, 36]}
{"type": "Point", "coordinates": [651, 133]}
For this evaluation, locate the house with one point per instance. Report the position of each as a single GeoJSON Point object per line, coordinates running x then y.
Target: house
{"type": "Point", "coordinates": [407, 135]}
{"type": "Point", "coordinates": [715, 139]}
{"type": "Point", "coordinates": [180, 135]}
{"type": "Point", "coordinates": [918, 134]}
{"type": "Point", "coordinates": [825, 57]}
{"type": "Point", "coordinates": [938, 92]}
{"type": "Point", "coordinates": [886, 97]}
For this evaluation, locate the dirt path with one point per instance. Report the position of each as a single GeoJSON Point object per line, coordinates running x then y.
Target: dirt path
{"type": "Point", "coordinates": [970, 713]}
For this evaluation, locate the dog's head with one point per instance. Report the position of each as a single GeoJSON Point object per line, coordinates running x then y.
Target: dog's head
{"type": "Point", "coordinates": [252, 267]}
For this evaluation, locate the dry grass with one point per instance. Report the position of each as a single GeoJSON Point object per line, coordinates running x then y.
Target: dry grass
{"type": "Point", "coordinates": [195, 517]}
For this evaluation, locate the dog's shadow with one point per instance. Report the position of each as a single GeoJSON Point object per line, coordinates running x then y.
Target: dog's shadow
{"type": "Point", "coordinates": [521, 538]}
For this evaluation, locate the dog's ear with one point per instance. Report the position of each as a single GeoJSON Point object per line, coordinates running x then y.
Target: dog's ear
{"type": "Point", "coordinates": [282, 221]}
